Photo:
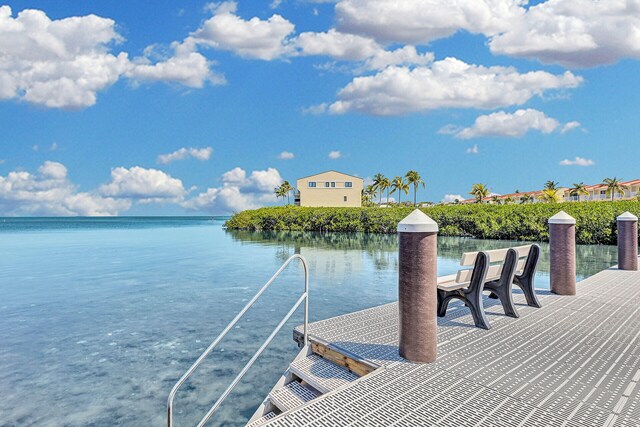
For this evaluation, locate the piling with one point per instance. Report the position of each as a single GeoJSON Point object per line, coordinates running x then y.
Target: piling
{"type": "Point", "coordinates": [628, 242]}
{"type": "Point", "coordinates": [417, 287]}
{"type": "Point", "coordinates": [562, 244]}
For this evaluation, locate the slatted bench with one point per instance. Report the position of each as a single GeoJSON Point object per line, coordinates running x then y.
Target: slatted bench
{"type": "Point", "coordinates": [494, 271]}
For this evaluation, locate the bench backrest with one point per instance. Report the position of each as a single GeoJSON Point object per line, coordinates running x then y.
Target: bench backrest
{"type": "Point", "coordinates": [495, 255]}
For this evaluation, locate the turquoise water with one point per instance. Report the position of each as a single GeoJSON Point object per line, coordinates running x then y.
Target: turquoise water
{"type": "Point", "coordinates": [99, 317]}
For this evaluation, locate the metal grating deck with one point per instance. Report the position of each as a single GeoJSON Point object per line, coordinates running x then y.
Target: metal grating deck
{"type": "Point", "coordinates": [574, 362]}
{"type": "Point", "coordinates": [321, 374]}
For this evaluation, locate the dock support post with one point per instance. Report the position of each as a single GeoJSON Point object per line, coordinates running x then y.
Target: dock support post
{"type": "Point", "coordinates": [562, 243]}
{"type": "Point", "coordinates": [417, 287]}
{"type": "Point", "coordinates": [628, 242]}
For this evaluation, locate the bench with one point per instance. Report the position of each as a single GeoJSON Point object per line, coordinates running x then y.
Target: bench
{"type": "Point", "coordinates": [494, 271]}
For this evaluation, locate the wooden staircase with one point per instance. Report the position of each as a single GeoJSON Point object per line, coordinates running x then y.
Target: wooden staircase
{"type": "Point", "coordinates": [308, 377]}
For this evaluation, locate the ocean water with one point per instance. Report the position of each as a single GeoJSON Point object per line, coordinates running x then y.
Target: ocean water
{"type": "Point", "coordinates": [100, 316]}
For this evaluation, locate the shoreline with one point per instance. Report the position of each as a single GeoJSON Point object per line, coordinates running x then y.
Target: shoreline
{"type": "Point", "coordinates": [595, 222]}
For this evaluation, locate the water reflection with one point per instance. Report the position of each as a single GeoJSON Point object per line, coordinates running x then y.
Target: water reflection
{"type": "Point", "coordinates": [381, 250]}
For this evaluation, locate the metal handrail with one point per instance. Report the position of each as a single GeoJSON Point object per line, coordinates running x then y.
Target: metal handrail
{"type": "Point", "coordinates": [304, 297]}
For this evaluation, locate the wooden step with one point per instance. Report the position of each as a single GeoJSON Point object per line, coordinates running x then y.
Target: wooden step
{"type": "Point", "coordinates": [262, 420]}
{"type": "Point", "coordinates": [292, 395]}
{"type": "Point", "coordinates": [322, 374]}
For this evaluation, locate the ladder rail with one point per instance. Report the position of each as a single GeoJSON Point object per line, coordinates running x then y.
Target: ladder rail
{"type": "Point", "coordinates": [303, 298]}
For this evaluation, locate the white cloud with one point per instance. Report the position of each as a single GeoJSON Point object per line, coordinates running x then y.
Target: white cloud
{"type": "Point", "coordinates": [49, 192]}
{"type": "Point", "coordinates": [64, 63]}
{"type": "Point", "coordinates": [57, 63]}
{"type": "Point", "coordinates": [143, 185]}
{"type": "Point", "coordinates": [342, 46]}
{"type": "Point", "coordinates": [450, 198]}
{"type": "Point", "coordinates": [238, 192]}
{"type": "Point", "coordinates": [286, 155]}
{"type": "Point", "coordinates": [515, 124]}
{"type": "Point", "coordinates": [186, 153]}
{"type": "Point", "coordinates": [578, 161]}
{"type": "Point", "coordinates": [255, 38]}
{"type": "Point", "coordinates": [350, 47]}
{"type": "Point", "coordinates": [449, 83]}
{"type": "Point", "coordinates": [573, 33]}
{"type": "Point", "coordinates": [53, 170]}
{"type": "Point", "coordinates": [421, 21]}
{"type": "Point", "coordinates": [473, 150]}
{"type": "Point", "coordinates": [335, 154]}
{"type": "Point", "coordinates": [186, 67]}
{"type": "Point", "coordinates": [54, 146]}
{"type": "Point", "coordinates": [570, 126]}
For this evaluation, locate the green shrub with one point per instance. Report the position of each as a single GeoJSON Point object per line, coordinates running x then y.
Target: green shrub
{"type": "Point", "coordinates": [595, 221]}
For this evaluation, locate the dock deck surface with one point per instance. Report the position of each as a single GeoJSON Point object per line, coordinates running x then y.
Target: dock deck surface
{"type": "Point", "coordinates": [573, 362]}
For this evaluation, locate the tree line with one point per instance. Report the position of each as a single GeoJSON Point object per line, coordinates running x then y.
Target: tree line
{"type": "Point", "coordinates": [551, 192]}
{"type": "Point", "coordinates": [400, 184]}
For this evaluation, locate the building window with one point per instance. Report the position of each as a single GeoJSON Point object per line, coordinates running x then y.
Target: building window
{"type": "Point", "coordinates": [333, 185]}
{"type": "Point", "coordinates": [345, 198]}
{"type": "Point", "coordinates": [326, 184]}
{"type": "Point", "coordinates": [348, 184]}
{"type": "Point", "coordinates": [312, 184]}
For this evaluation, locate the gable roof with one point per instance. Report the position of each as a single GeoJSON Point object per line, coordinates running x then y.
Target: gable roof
{"type": "Point", "coordinates": [341, 173]}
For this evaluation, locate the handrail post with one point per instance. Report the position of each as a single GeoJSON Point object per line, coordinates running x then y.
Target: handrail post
{"type": "Point", "coordinates": [212, 346]}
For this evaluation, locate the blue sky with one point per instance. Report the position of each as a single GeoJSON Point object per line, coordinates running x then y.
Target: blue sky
{"type": "Point", "coordinates": [188, 108]}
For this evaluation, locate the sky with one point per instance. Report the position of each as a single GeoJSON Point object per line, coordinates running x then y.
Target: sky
{"type": "Point", "coordinates": [196, 108]}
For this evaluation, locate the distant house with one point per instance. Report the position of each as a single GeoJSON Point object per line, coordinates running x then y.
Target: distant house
{"type": "Point", "coordinates": [596, 192]}
{"type": "Point", "coordinates": [329, 189]}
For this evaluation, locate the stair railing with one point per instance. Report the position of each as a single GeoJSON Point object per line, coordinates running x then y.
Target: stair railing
{"type": "Point", "coordinates": [303, 298]}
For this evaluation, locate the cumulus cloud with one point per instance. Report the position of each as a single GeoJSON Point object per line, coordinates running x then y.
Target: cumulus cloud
{"type": "Point", "coordinates": [49, 192]}
{"type": "Point", "coordinates": [450, 198]}
{"type": "Point", "coordinates": [449, 83]}
{"type": "Point", "coordinates": [573, 33]}
{"type": "Point", "coordinates": [64, 63]}
{"type": "Point", "coordinates": [473, 150]}
{"type": "Point", "coordinates": [186, 153]}
{"type": "Point", "coordinates": [286, 155]}
{"type": "Point", "coordinates": [57, 63]}
{"type": "Point", "coordinates": [143, 185]}
{"type": "Point", "coordinates": [334, 154]}
{"type": "Point", "coordinates": [350, 47]}
{"type": "Point", "coordinates": [578, 161]}
{"type": "Point", "coordinates": [239, 191]}
{"type": "Point", "coordinates": [515, 124]}
{"type": "Point", "coordinates": [186, 66]}
{"type": "Point", "coordinates": [343, 46]}
{"type": "Point", "coordinates": [254, 38]}
{"type": "Point", "coordinates": [422, 21]}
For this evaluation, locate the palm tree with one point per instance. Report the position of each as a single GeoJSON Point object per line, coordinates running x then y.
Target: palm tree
{"type": "Point", "coordinates": [551, 185]}
{"type": "Point", "coordinates": [398, 184]}
{"type": "Point", "coordinates": [508, 200]}
{"type": "Point", "coordinates": [413, 177]}
{"type": "Point", "coordinates": [551, 195]}
{"type": "Point", "coordinates": [368, 194]}
{"type": "Point", "coordinates": [578, 190]}
{"type": "Point", "coordinates": [279, 191]}
{"type": "Point", "coordinates": [287, 189]}
{"type": "Point", "coordinates": [526, 198]}
{"type": "Point", "coordinates": [377, 180]}
{"type": "Point", "coordinates": [480, 191]}
{"type": "Point", "coordinates": [385, 184]}
{"type": "Point", "coordinates": [495, 199]}
{"type": "Point", "coordinates": [613, 186]}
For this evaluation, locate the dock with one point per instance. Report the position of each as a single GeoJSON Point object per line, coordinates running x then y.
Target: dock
{"type": "Point", "coordinates": [573, 362]}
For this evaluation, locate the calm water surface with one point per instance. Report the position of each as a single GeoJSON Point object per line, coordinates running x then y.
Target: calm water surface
{"type": "Point", "coordinates": [99, 317]}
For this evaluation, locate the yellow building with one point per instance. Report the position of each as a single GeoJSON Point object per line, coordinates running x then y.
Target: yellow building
{"type": "Point", "coordinates": [329, 189]}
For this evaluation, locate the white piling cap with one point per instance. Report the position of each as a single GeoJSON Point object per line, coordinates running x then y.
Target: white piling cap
{"type": "Point", "coordinates": [627, 216]}
{"type": "Point", "coordinates": [562, 218]}
{"type": "Point", "coordinates": [417, 222]}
